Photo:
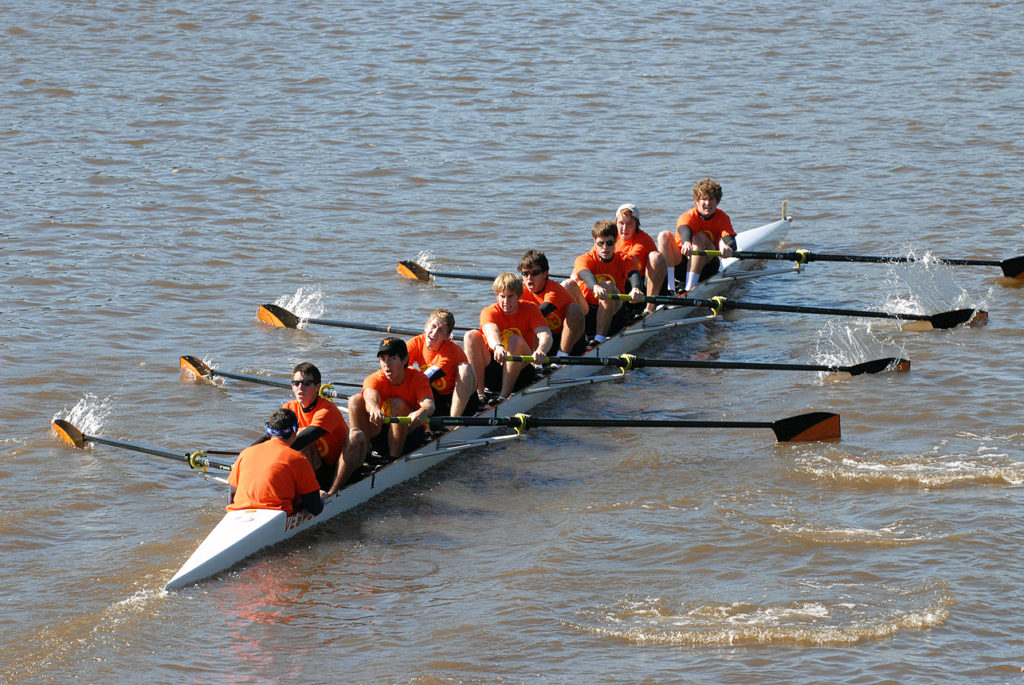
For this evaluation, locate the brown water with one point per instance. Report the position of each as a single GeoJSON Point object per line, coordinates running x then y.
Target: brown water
{"type": "Point", "coordinates": [170, 166]}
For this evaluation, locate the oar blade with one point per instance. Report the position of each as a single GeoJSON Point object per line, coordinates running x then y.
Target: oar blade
{"type": "Point", "coordinates": [195, 366]}
{"type": "Point", "coordinates": [68, 433]}
{"type": "Point", "coordinates": [412, 270]}
{"type": "Point", "coordinates": [812, 427]}
{"type": "Point", "coordinates": [956, 317]}
{"type": "Point", "coordinates": [1013, 268]}
{"type": "Point", "coordinates": [277, 316]}
{"type": "Point", "coordinates": [879, 365]}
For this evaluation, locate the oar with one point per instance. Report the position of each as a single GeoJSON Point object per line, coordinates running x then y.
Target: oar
{"type": "Point", "coordinates": [949, 319]}
{"type": "Point", "coordinates": [628, 361]}
{"type": "Point", "coordinates": [418, 272]}
{"type": "Point", "coordinates": [800, 428]}
{"type": "Point", "coordinates": [1013, 267]}
{"type": "Point", "coordinates": [197, 460]}
{"type": "Point", "coordinates": [200, 369]}
{"type": "Point", "coordinates": [282, 318]}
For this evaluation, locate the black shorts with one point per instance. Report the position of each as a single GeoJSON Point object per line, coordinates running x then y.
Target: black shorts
{"type": "Point", "coordinates": [493, 372]}
{"type": "Point", "coordinates": [443, 405]}
{"type": "Point", "coordinates": [325, 475]}
{"type": "Point", "coordinates": [618, 321]}
{"type": "Point", "coordinates": [413, 439]}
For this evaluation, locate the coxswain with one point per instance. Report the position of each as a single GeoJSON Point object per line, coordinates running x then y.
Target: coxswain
{"type": "Point", "coordinates": [272, 475]}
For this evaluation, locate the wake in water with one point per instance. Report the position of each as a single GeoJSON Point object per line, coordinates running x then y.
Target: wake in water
{"type": "Point", "coordinates": [986, 467]}
{"type": "Point", "coordinates": [837, 614]}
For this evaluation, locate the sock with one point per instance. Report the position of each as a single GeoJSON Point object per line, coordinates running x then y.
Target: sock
{"type": "Point", "coordinates": [562, 354]}
{"type": "Point", "coordinates": [691, 280]}
{"type": "Point", "coordinates": [600, 338]}
{"type": "Point", "coordinates": [670, 277]}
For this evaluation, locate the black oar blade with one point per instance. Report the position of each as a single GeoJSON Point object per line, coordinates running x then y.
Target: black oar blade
{"type": "Point", "coordinates": [412, 270]}
{"type": "Point", "coordinates": [955, 318]}
{"type": "Point", "coordinates": [815, 426]}
{"type": "Point", "coordinates": [1013, 268]}
{"type": "Point", "coordinates": [879, 365]}
{"type": "Point", "coordinates": [68, 433]}
{"type": "Point", "coordinates": [195, 366]}
{"type": "Point", "coordinates": [277, 316]}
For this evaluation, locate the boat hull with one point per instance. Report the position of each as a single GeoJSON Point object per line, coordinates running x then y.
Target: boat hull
{"type": "Point", "coordinates": [241, 534]}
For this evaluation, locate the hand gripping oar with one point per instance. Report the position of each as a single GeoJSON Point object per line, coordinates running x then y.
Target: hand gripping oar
{"type": "Point", "coordinates": [1012, 268]}
{"type": "Point", "coordinates": [801, 428]}
{"type": "Point", "coordinates": [282, 318]}
{"type": "Point", "coordinates": [200, 369]}
{"type": "Point", "coordinates": [197, 460]}
{"type": "Point", "coordinates": [973, 317]}
{"type": "Point", "coordinates": [628, 361]}
{"type": "Point", "coordinates": [417, 272]}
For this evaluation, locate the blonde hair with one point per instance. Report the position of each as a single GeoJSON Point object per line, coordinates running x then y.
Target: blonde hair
{"type": "Point", "coordinates": [508, 281]}
{"type": "Point", "coordinates": [444, 316]}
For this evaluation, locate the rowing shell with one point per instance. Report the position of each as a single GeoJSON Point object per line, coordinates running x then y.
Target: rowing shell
{"type": "Point", "coordinates": [241, 534]}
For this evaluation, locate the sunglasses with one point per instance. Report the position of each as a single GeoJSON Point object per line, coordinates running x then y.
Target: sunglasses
{"type": "Point", "coordinates": [535, 272]}
{"type": "Point", "coordinates": [305, 381]}
{"type": "Point", "coordinates": [604, 243]}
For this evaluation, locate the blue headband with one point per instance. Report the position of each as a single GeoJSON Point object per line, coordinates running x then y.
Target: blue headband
{"type": "Point", "coordinates": [275, 433]}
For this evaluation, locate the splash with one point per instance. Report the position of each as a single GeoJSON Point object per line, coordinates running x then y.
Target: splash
{"type": "Point", "coordinates": [846, 344]}
{"type": "Point", "coordinates": [840, 615]}
{"type": "Point", "coordinates": [306, 303]}
{"type": "Point", "coordinates": [927, 286]}
{"type": "Point", "coordinates": [89, 414]}
{"type": "Point", "coordinates": [425, 258]}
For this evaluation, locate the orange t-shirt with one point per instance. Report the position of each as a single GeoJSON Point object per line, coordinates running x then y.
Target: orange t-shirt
{"type": "Point", "coordinates": [414, 389]}
{"type": "Point", "coordinates": [270, 475]}
{"type": "Point", "coordinates": [616, 271]}
{"type": "Point", "coordinates": [524, 322]}
{"type": "Point", "coordinates": [327, 416]}
{"type": "Point", "coordinates": [447, 357]}
{"type": "Point", "coordinates": [718, 225]}
{"type": "Point", "coordinates": [553, 293]}
{"type": "Point", "coordinates": [641, 245]}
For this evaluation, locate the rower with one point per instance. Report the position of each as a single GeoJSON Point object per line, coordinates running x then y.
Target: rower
{"type": "Point", "coordinates": [272, 475]}
{"type": "Point", "coordinates": [510, 326]}
{"type": "Point", "coordinates": [602, 272]}
{"type": "Point", "coordinates": [636, 243]}
{"type": "Point", "coordinates": [705, 227]}
{"type": "Point", "coordinates": [323, 432]}
{"type": "Point", "coordinates": [452, 378]}
{"type": "Point", "coordinates": [563, 314]}
{"type": "Point", "coordinates": [394, 390]}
